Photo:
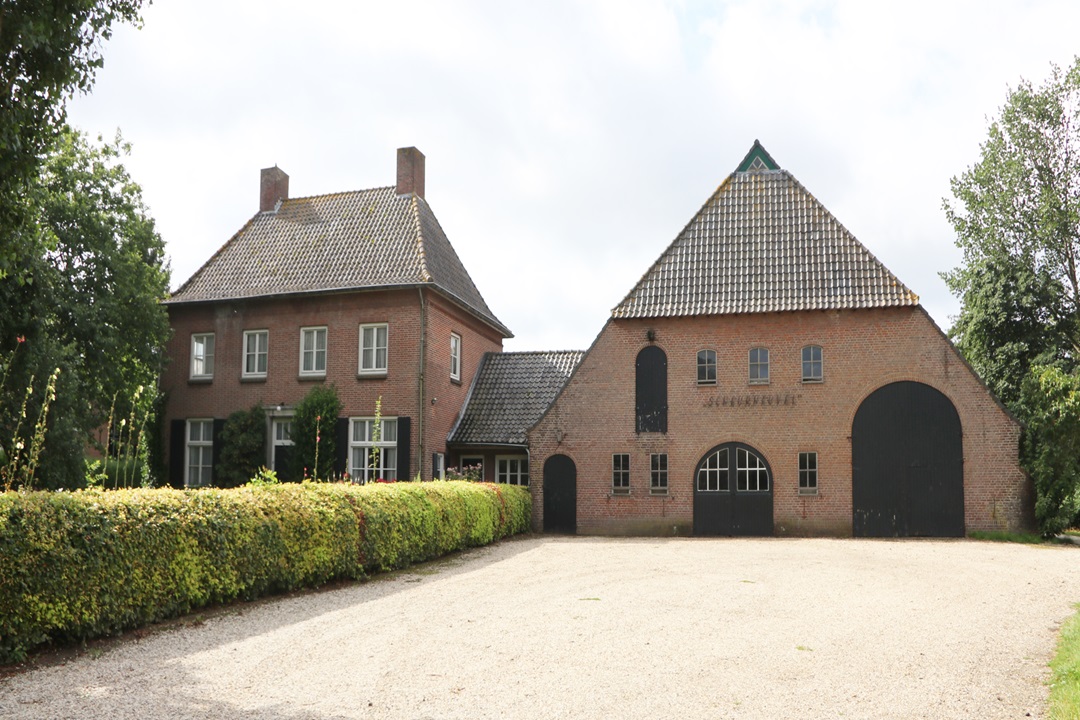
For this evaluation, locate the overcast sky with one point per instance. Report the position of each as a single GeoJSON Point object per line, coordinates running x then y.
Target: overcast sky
{"type": "Point", "coordinates": [568, 143]}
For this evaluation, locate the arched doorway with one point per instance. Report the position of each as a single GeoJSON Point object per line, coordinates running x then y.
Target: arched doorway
{"type": "Point", "coordinates": [907, 464]}
{"type": "Point", "coordinates": [560, 495]}
{"type": "Point", "coordinates": [733, 492]}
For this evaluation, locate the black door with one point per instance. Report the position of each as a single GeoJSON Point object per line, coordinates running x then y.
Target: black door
{"type": "Point", "coordinates": [560, 495]}
{"type": "Point", "coordinates": [733, 492]}
{"type": "Point", "coordinates": [907, 464]}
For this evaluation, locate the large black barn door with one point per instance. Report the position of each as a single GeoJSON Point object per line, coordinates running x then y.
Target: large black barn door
{"type": "Point", "coordinates": [733, 492]}
{"type": "Point", "coordinates": [907, 464]}
{"type": "Point", "coordinates": [560, 495]}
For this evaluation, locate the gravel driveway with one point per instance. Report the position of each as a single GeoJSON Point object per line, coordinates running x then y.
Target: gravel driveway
{"type": "Point", "coordinates": [611, 628]}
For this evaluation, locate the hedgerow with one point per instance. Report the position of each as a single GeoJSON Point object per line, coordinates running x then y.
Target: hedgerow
{"type": "Point", "coordinates": [77, 565]}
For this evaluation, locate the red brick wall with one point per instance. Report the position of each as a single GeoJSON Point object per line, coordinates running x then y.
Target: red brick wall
{"type": "Point", "coordinates": [862, 351]}
{"type": "Point", "coordinates": [342, 314]}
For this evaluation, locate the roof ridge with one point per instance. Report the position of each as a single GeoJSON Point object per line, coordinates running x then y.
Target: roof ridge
{"type": "Point", "coordinates": [334, 194]}
{"type": "Point", "coordinates": [421, 251]}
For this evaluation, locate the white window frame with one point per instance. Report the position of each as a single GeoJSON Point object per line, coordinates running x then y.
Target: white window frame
{"type": "Point", "coordinates": [751, 473]}
{"type": "Point", "coordinates": [372, 351]}
{"type": "Point", "coordinates": [514, 472]}
{"type": "Point", "coordinates": [808, 472]}
{"type": "Point", "coordinates": [455, 357]}
{"type": "Point", "coordinates": [620, 473]}
{"type": "Point", "coordinates": [757, 364]}
{"type": "Point", "coordinates": [820, 362]}
{"type": "Point", "coordinates": [314, 331]}
{"type": "Point", "coordinates": [658, 473]}
{"type": "Point", "coordinates": [709, 357]}
{"type": "Point", "coordinates": [361, 442]}
{"type": "Point", "coordinates": [276, 442]}
{"type": "Point", "coordinates": [712, 475]}
{"type": "Point", "coordinates": [205, 446]}
{"type": "Point", "coordinates": [202, 364]}
{"type": "Point", "coordinates": [438, 470]}
{"type": "Point", "coordinates": [257, 353]}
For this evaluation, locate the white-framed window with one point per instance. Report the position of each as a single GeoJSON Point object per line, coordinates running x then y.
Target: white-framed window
{"type": "Point", "coordinates": [313, 350]}
{"type": "Point", "coordinates": [281, 429]}
{"type": "Point", "coordinates": [199, 458]}
{"type": "Point", "coordinates": [752, 475]}
{"type": "Point", "coordinates": [372, 454]}
{"type": "Point", "coordinates": [512, 469]}
{"type": "Point", "coordinates": [438, 466]}
{"type": "Point", "coordinates": [256, 353]}
{"type": "Point", "coordinates": [759, 366]}
{"type": "Point", "coordinates": [202, 356]}
{"type": "Point", "coordinates": [706, 367]}
{"type": "Point", "coordinates": [808, 467]}
{"type": "Point", "coordinates": [373, 349]}
{"type": "Point", "coordinates": [811, 364]}
{"type": "Point", "coordinates": [455, 356]}
{"type": "Point", "coordinates": [713, 473]}
{"type": "Point", "coordinates": [658, 473]}
{"type": "Point", "coordinates": [620, 473]}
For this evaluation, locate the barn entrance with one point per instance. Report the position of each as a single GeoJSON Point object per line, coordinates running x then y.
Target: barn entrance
{"type": "Point", "coordinates": [560, 495]}
{"type": "Point", "coordinates": [907, 464]}
{"type": "Point", "coordinates": [733, 492]}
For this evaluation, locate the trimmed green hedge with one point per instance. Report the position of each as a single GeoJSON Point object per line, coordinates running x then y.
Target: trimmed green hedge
{"type": "Point", "coordinates": [77, 565]}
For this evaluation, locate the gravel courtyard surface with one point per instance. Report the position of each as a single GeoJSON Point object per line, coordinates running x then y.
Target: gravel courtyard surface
{"type": "Point", "coordinates": [547, 627]}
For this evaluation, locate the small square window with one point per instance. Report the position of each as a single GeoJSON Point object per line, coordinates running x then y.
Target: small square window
{"type": "Point", "coordinates": [620, 474]}
{"type": "Point", "coordinates": [706, 367]}
{"type": "Point", "coordinates": [455, 356]}
{"type": "Point", "coordinates": [313, 351]}
{"type": "Point", "coordinates": [808, 467]}
{"type": "Point", "coordinates": [811, 364]}
{"type": "Point", "coordinates": [256, 347]}
{"type": "Point", "coordinates": [202, 356]}
{"type": "Point", "coordinates": [759, 366]}
{"type": "Point", "coordinates": [512, 469]}
{"type": "Point", "coordinates": [659, 473]}
{"type": "Point", "coordinates": [373, 349]}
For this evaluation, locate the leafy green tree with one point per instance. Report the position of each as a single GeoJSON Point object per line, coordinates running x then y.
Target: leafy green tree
{"type": "Point", "coordinates": [48, 52]}
{"type": "Point", "coordinates": [314, 433]}
{"type": "Point", "coordinates": [89, 305]}
{"type": "Point", "coordinates": [243, 448]}
{"type": "Point", "coordinates": [1016, 214]}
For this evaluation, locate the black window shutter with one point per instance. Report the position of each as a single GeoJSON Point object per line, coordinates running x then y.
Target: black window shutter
{"type": "Point", "coordinates": [404, 440]}
{"type": "Point", "coordinates": [177, 450]}
{"type": "Point", "coordinates": [218, 425]}
{"type": "Point", "coordinates": [650, 385]}
{"type": "Point", "coordinates": [341, 453]}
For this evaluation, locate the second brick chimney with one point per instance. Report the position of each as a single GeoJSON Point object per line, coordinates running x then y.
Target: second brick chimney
{"type": "Point", "coordinates": [410, 171]}
{"type": "Point", "coordinates": [273, 188]}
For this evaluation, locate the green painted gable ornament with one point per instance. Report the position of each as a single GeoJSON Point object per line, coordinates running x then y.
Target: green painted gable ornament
{"type": "Point", "coordinates": [757, 159]}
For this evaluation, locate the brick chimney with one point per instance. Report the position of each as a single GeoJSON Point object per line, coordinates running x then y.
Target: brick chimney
{"type": "Point", "coordinates": [410, 171]}
{"type": "Point", "coordinates": [273, 188]}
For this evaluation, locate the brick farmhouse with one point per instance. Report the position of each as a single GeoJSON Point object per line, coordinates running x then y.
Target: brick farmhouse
{"type": "Point", "coordinates": [767, 375]}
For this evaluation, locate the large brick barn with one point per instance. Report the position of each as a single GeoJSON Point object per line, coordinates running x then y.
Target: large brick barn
{"type": "Point", "coordinates": [768, 375]}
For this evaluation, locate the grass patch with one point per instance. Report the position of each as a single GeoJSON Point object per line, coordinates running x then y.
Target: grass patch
{"type": "Point", "coordinates": [1006, 536]}
{"type": "Point", "coordinates": [1065, 669]}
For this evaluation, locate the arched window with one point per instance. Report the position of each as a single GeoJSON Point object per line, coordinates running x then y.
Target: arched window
{"type": "Point", "coordinates": [651, 390]}
{"type": "Point", "coordinates": [706, 367]}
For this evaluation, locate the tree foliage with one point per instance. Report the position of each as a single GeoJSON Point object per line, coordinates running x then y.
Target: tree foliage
{"type": "Point", "coordinates": [1016, 214]}
{"type": "Point", "coordinates": [48, 52]}
{"type": "Point", "coordinates": [243, 448]}
{"type": "Point", "coordinates": [314, 433]}
{"type": "Point", "coordinates": [87, 302]}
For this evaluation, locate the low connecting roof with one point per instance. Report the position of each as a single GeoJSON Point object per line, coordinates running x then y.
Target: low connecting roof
{"type": "Point", "coordinates": [368, 239]}
{"type": "Point", "coordinates": [763, 243]}
{"type": "Point", "coordinates": [510, 393]}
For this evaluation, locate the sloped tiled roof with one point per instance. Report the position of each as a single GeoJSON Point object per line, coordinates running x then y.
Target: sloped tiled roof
{"type": "Point", "coordinates": [763, 243]}
{"type": "Point", "coordinates": [344, 241]}
{"type": "Point", "coordinates": [510, 393]}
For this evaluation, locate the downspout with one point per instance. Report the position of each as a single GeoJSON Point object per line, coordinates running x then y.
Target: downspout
{"type": "Point", "coordinates": [420, 386]}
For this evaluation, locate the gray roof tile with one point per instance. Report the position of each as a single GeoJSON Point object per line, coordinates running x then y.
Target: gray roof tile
{"type": "Point", "coordinates": [763, 243]}
{"type": "Point", "coordinates": [344, 241]}
{"type": "Point", "coordinates": [510, 393]}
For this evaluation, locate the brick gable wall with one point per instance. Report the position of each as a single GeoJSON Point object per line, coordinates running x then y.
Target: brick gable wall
{"type": "Point", "coordinates": [863, 350]}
